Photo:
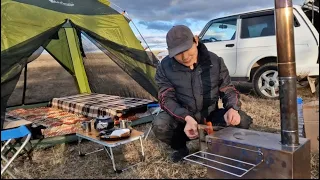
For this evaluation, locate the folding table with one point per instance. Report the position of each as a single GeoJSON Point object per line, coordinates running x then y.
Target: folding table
{"type": "Point", "coordinates": [108, 145]}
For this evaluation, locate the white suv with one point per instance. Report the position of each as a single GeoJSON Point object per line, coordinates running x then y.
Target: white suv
{"type": "Point", "coordinates": [247, 43]}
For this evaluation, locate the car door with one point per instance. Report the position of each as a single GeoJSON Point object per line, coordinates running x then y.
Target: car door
{"type": "Point", "coordinates": [219, 36]}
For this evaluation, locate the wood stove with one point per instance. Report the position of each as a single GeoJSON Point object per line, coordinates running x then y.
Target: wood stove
{"type": "Point", "coordinates": [239, 153]}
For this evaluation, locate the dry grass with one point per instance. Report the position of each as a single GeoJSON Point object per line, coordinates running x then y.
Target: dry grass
{"type": "Point", "coordinates": [62, 161]}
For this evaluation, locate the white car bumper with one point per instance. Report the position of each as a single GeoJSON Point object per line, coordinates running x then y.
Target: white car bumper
{"type": "Point", "coordinates": [308, 70]}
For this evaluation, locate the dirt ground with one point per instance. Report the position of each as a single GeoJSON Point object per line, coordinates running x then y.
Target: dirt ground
{"type": "Point", "coordinates": [62, 161]}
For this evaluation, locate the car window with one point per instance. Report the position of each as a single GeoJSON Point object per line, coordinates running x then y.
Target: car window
{"type": "Point", "coordinates": [260, 26]}
{"type": "Point", "coordinates": [221, 31]}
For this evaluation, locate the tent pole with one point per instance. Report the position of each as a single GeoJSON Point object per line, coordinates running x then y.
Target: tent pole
{"type": "Point", "coordinates": [124, 12]}
{"type": "Point", "coordinates": [77, 60]}
{"type": "Point", "coordinates": [24, 83]}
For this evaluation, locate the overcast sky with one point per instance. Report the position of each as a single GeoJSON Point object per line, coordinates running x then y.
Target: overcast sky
{"type": "Point", "coordinates": [154, 18]}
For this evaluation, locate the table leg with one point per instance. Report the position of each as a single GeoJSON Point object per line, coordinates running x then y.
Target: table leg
{"type": "Point", "coordinates": [6, 160]}
{"type": "Point", "coordinates": [105, 148]}
{"type": "Point", "coordinates": [113, 162]}
{"type": "Point", "coordinates": [142, 149]}
{"type": "Point", "coordinates": [150, 128]}
{"type": "Point", "coordinates": [9, 172]}
{"type": "Point", "coordinates": [79, 146]}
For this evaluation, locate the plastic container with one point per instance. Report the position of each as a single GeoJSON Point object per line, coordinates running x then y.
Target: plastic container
{"type": "Point", "coordinates": [300, 117]}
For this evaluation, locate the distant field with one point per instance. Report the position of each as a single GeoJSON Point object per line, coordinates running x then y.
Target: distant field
{"type": "Point", "coordinates": [47, 79]}
{"type": "Point", "coordinates": [156, 52]}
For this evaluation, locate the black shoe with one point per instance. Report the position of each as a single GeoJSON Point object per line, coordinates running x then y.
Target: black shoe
{"type": "Point", "coordinates": [179, 154]}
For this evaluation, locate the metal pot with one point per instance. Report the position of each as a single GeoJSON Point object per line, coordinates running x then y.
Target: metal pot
{"type": "Point", "coordinates": [124, 124]}
{"type": "Point", "coordinates": [86, 126]}
{"type": "Point", "coordinates": [103, 123]}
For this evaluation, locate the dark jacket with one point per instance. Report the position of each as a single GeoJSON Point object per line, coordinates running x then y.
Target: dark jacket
{"type": "Point", "coordinates": [196, 92]}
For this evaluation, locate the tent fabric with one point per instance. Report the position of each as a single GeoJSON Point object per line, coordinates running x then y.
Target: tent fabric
{"type": "Point", "coordinates": [14, 59]}
{"type": "Point", "coordinates": [74, 7]}
{"type": "Point", "coordinates": [13, 56]}
{"type": "Point", "coordinates": [26, 25]}
{"type": "Point", "coordinates": [56, 49]}
{"type": "Point", "coordinates": [136, 69]}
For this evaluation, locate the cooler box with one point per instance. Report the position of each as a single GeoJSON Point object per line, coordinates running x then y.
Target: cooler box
{"type": "Point", "coordinates": [311, 121]}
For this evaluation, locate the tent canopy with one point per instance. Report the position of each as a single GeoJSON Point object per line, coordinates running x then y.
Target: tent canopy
{"type": "Point", "coordinates": [56, 25]}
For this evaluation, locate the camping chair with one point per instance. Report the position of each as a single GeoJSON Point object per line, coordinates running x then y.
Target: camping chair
{"type": "Point", "coordinates": [7, 137]}
{"type": "Point", "coordinates": [157, 111]}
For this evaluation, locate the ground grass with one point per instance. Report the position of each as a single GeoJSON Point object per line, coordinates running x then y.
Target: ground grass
{"type": "Point", "coordinates": [62, 161]}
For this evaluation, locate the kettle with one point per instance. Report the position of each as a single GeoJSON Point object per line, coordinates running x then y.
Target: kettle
{"type": "Point", "coordinates": [103, 123]}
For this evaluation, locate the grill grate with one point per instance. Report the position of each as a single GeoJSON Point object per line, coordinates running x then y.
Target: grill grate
{"type": "Point", "coordinates": [224, 164]}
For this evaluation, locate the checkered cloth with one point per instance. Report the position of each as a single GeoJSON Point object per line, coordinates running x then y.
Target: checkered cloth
{"type": "Point", "coordinates": [94, 105]}
{"type": "Point", "coordinates": [56, 121]}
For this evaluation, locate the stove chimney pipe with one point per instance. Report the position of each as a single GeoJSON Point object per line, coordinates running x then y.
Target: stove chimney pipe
{"type": "Point", "coordinates": [287, 72]}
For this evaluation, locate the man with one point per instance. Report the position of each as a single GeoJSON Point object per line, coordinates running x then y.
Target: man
{"type": "Point", "coordinates": [191, 80]}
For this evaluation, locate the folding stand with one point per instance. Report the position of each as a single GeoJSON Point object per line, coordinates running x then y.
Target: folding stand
{"type": "Point", "coordinates": [108, 145]}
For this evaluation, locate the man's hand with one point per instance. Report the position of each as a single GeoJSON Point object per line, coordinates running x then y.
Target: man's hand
{"type": "Point", "coordinates": [191, 128]}
{"type": "Point", "coordinates": [232, 117]}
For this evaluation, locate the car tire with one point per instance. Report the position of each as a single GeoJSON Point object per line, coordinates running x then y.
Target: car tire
{"type": "Point", "coordinates": [266, 81]}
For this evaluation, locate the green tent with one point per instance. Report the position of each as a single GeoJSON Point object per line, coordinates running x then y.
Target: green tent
{"type": "Point", "coordinates": [56, 25]}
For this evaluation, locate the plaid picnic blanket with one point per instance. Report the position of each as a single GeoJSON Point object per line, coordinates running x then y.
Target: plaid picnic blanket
{"type": "Point", "coordinates": [56, 121]}
{"type": "Point", "coordinates": [94, 105]}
